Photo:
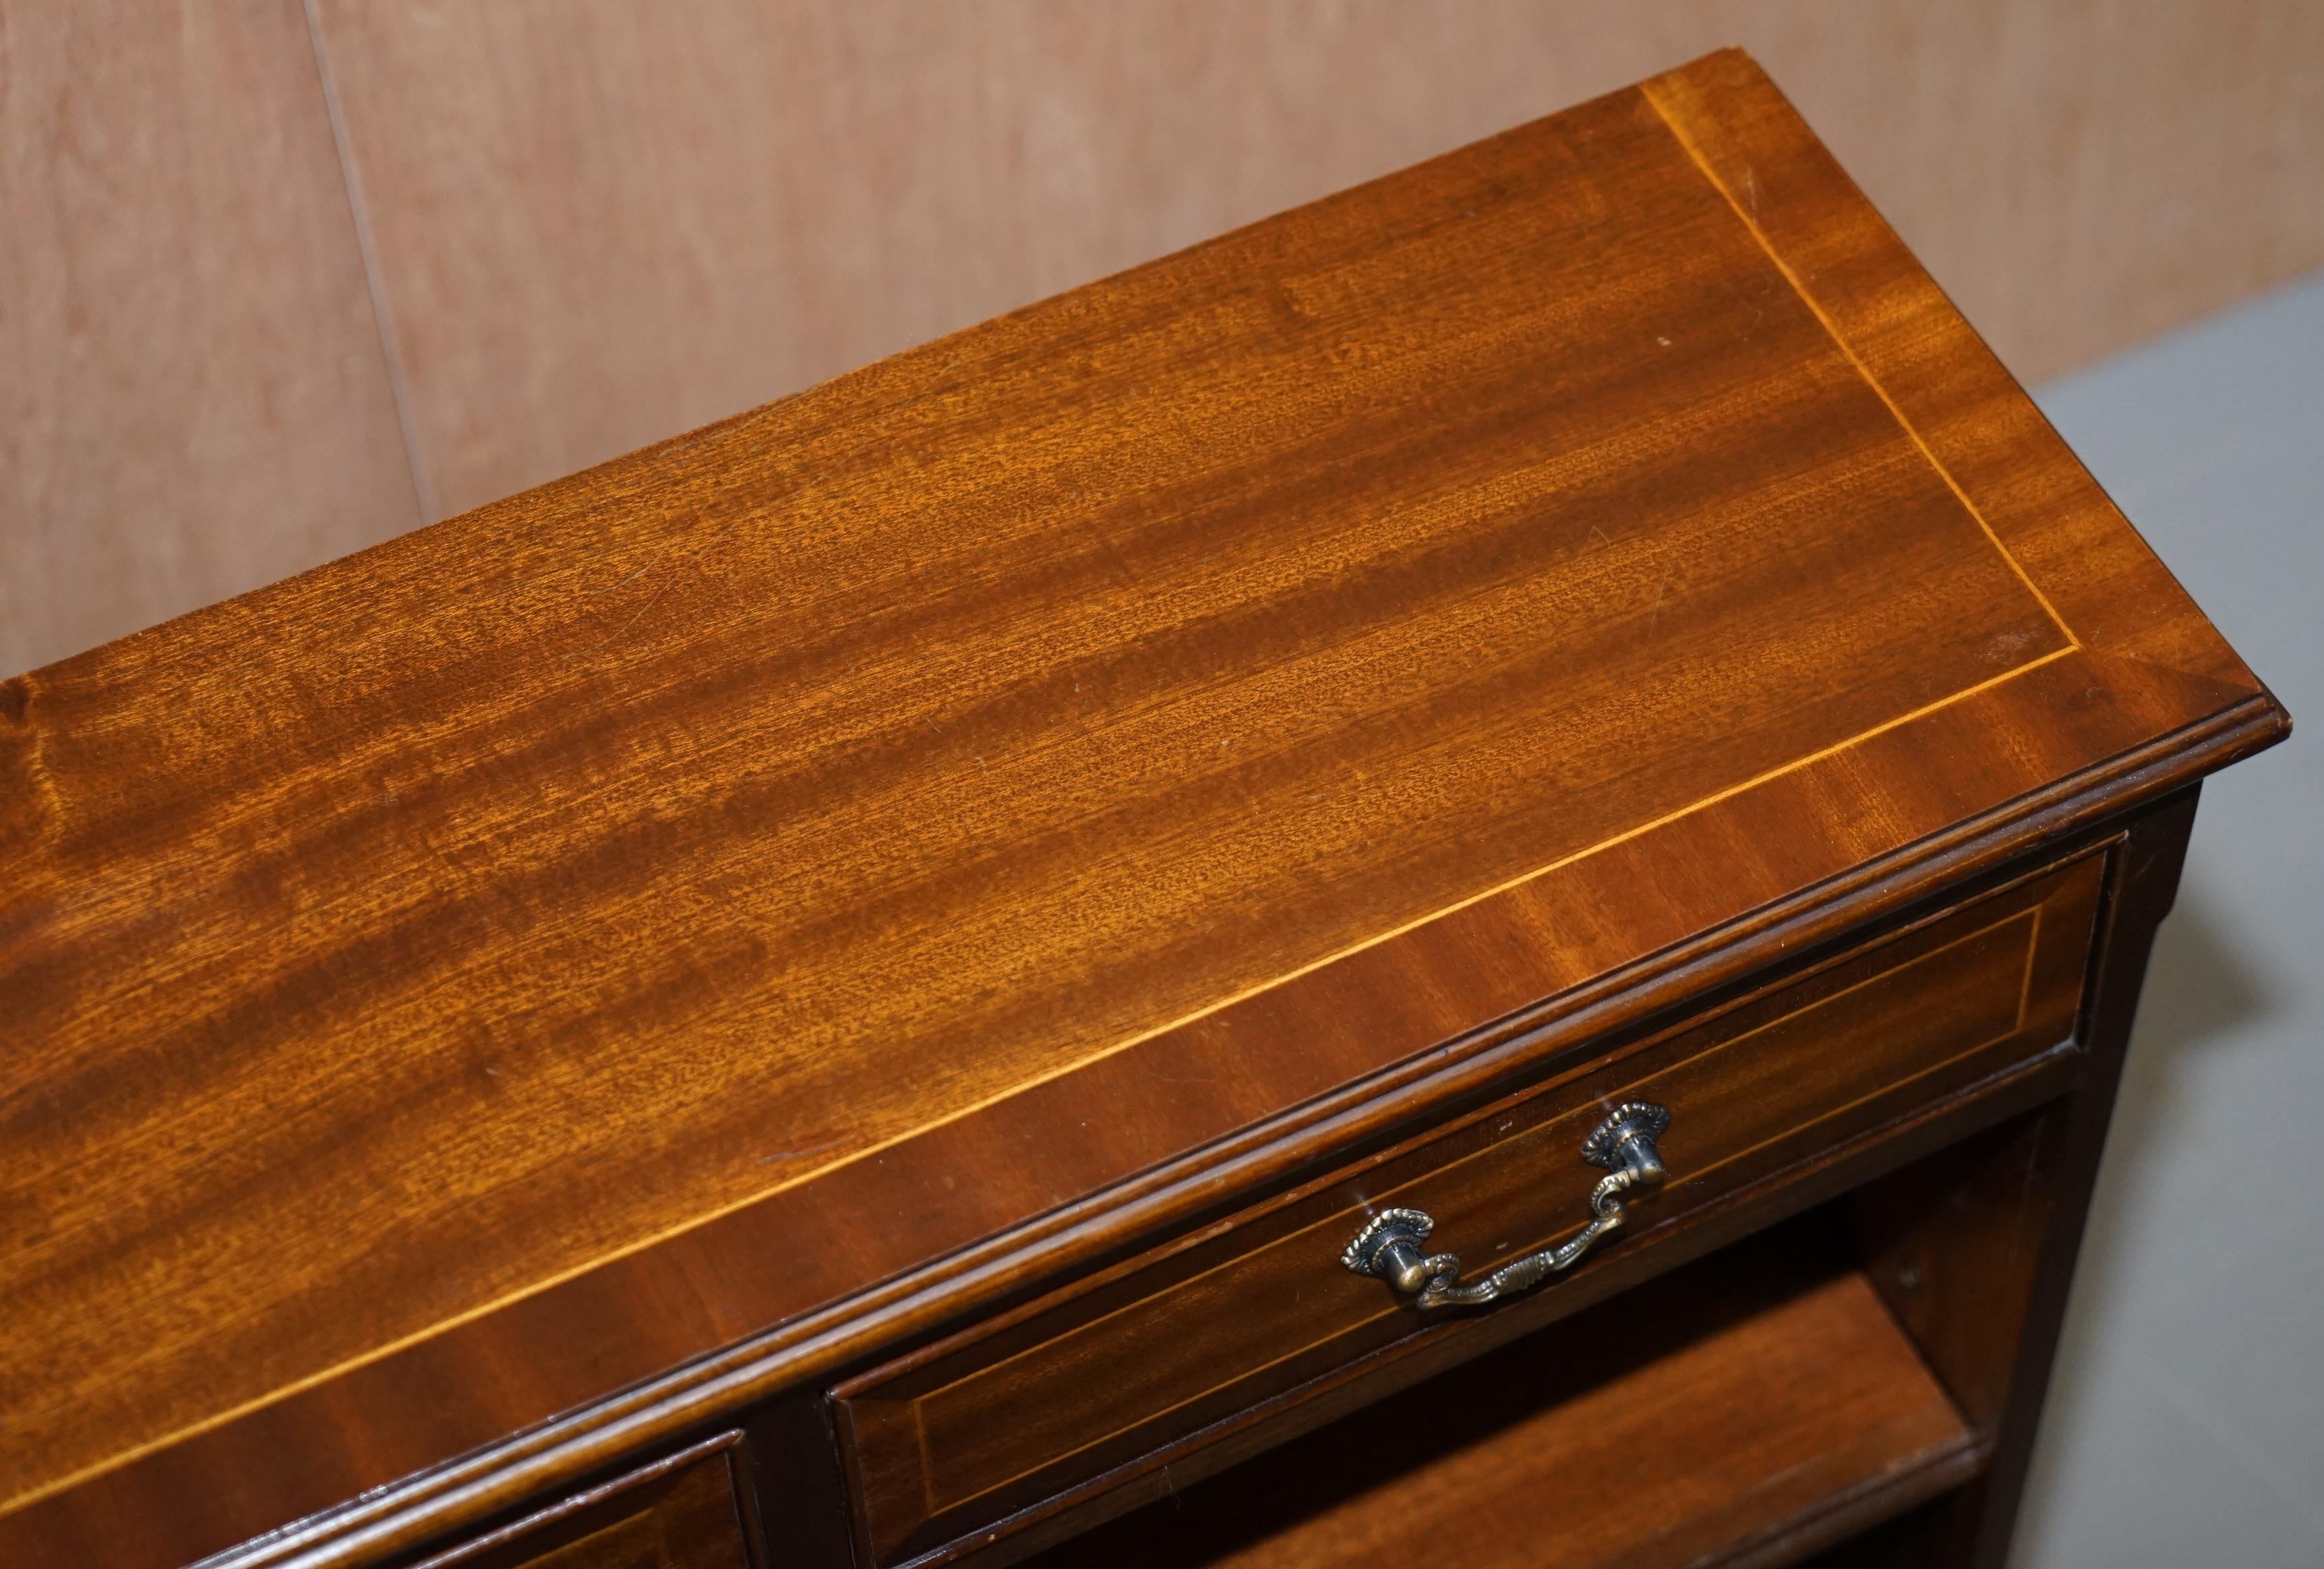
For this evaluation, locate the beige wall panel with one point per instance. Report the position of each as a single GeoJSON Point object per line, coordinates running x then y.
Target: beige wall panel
{"type": "Point", "coordinates": [599, 222]}
{"type": "Point", "coordinates": [194, 400]}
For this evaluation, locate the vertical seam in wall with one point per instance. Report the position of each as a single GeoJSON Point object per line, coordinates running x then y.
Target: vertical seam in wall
{"type": "Point", "coordinates": [390, 350]}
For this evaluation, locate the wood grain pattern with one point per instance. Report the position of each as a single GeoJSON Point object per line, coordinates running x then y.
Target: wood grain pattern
{"type": "Point", "coordinates": [740, 843]}
{"type": "Point", "coordinates": [958, 1436]}
{"type": "Point", "coordinates": [1690, 1423]}
{"type": "Point", "coordinates": [195, 400]}
{"type": "Point", "coordinates": [600, 225]}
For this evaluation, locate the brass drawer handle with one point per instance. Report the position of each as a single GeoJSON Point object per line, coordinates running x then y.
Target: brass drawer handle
{"type": "Point", "coordinates": [1388, 1247]}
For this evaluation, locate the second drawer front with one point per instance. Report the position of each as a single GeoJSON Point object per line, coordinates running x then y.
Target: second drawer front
{"type": "Point", "coordinates": [678, 1513]}
{"type": "Point", "coordinates": [955, 1438]}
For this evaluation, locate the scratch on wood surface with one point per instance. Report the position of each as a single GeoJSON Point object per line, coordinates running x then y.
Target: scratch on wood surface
{"type": "Point", "coordinates": [823, 1147]}
{"type": "Point", "coordinates": [623, 630]}
{"type": "Point", "coordinates": [1156, 1072]}
{"type": "Point", "coordinates": [632, 578]}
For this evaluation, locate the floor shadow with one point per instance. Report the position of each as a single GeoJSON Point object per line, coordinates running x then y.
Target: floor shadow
{"type": "Point", "coordinates": [2198, 987]}
{"type": "Point", "coordinates": [2199, 993]}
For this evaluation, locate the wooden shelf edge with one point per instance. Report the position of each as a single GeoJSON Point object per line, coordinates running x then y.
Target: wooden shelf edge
{"type": "Point", "coordinates": [1854, 1509]}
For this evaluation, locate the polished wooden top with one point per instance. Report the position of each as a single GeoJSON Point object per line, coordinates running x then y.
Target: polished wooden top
{"type": "Point", "coordinates": [587, 931]}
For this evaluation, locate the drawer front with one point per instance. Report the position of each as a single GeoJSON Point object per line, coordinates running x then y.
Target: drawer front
{"type": "Point", "coordinates": [678, 1513]}
{"type": "Point", "coordinates": [955, 1438]}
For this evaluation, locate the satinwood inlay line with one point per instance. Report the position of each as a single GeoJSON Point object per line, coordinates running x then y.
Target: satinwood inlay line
{"type": "Point", "coordinates": [1743, 217]}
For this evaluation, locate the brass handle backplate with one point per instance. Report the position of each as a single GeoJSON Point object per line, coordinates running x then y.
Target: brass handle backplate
{"type": "Point", "coordinates": [1389, 1249]}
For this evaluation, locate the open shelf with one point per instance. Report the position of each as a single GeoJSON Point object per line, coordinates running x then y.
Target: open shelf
{"type": "Point", "coordinates": [1749, 1410]}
